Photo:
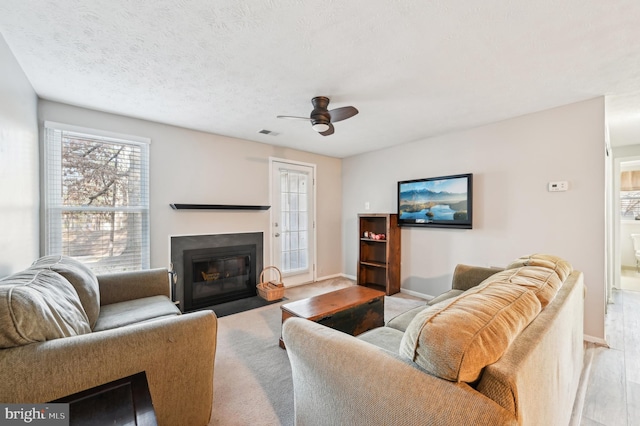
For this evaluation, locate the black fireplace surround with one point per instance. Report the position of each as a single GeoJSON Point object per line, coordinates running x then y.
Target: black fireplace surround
{"type": "Point", "coordinates": [214, 269]}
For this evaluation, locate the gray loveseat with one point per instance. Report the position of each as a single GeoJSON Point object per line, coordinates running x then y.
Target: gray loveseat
{"type": "Point", "coordinates": [506, 351]}
{"type": "Point", "coordinates": [64, 330]}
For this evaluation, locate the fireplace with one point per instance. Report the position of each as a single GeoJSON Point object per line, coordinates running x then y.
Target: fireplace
{"type": "Point", "coordinates": [218, 275]}
{"type": "Point", "coordinates": [214, 269]}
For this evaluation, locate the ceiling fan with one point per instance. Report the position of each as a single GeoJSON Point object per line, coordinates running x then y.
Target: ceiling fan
{"type": "Point", "coordinates": [322, 119]}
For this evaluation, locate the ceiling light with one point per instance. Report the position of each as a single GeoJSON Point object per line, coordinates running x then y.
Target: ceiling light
{"type": "Point", "coordinates": [320, 127]}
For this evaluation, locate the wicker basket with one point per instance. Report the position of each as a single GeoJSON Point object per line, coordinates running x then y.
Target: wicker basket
{"type": "Point", "coordinates": [271, 290]}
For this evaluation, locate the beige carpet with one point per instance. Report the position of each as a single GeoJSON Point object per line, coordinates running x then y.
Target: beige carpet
{"type": "Point", "coordinates": [252, 376]}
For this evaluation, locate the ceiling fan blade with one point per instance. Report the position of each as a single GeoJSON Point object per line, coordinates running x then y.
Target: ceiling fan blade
{"type": "Point", "coordinates": [290, 117]}
{"type": "Point", "coordinates": [343, 113]}
{"type": "Point", "coordinates": [329, 131]}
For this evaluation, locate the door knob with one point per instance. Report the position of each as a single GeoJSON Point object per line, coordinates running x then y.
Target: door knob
{"type": "Point", "coordinates": [277, 235]}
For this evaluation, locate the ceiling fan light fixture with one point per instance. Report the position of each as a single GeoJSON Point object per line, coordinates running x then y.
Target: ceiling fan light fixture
{"type": "Point", "coordinates": [320, 127]}
{"type": "Point", "coordinates": [321, 118]}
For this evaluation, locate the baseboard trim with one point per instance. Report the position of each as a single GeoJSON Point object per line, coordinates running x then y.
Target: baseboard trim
{"type": "Point", "coordinates": [351, 277]}
{"type": "Point", "coordinates": [416, 294]}
{"type": "Point", "coordinates": [595, 340]}
{"type": "Point", "coordinates": [326, 277]}
{"type": "Point", "coordinates": [329, 277]}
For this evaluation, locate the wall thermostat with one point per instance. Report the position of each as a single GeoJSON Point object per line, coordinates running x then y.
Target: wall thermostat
{"type": "Point", "coordinates": [558, 186]}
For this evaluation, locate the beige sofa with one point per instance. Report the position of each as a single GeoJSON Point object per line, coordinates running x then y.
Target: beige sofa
{"type": "Point", "coordinates": [507, 351]}
{"type": "Point", "coordinates": [64, 330]}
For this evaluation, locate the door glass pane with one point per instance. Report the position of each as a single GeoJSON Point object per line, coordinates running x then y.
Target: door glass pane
{"type": "Point", "coordinates": [303, 222]}
{"type": "Point", "coordinates": [302, 240]}
{"type": "Point", "coordinates": [302, 200]}
{"type": "Point", "coordinates": [295, 221]}
{"type": "Point", "coordinates": [293, 183]}
{"type": "Point", "coordinates": [286, 261]}
{"type": "Point", "coordinates": [303, 259]}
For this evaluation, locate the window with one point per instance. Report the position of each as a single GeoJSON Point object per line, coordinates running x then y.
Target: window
{"type": "Point", "coordinates": [97, 197]}
{"type": "Point", "coordinates": [630, 204]}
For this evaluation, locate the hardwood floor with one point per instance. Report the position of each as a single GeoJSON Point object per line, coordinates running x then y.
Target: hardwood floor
{"type": "Point", "coordinates": [611, 394]}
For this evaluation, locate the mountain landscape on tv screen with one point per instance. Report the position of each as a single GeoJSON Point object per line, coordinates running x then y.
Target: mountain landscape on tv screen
{"type": "Point", "coordinates": [424, 204]}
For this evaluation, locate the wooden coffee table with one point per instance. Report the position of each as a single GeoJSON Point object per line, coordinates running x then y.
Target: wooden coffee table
{"type": "Point", "coordinates": [352, 310]}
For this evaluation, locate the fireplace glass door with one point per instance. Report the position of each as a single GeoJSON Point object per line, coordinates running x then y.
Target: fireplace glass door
{"type": "Point", "coordinates": [218, 275]}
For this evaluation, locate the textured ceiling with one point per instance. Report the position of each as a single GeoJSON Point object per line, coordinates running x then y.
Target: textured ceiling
{"type": "Point", "coordinates": [414, 68]}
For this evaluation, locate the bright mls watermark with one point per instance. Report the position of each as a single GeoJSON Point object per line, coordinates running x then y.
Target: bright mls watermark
{"type": "Point", "coordinates": [34, 414]}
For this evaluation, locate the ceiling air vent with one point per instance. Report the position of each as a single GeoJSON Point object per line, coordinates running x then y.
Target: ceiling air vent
{"type": "Point", "coordinates": [268, 132]}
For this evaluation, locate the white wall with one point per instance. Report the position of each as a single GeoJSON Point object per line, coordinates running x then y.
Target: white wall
{"type": "Point", "coordinates": [514, 214]}
{"type": "Point", "coordinates": [187, 166]}
{"type": "Point", "coordinates": [19, 176]}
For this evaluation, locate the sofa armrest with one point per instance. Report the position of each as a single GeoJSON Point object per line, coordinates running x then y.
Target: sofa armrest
{"type": "Point", "coordinates": [122, 286]}
{"type": "Point", "coordinates": [466, 277]}
{"type": "Point", "coordinates": [339, 379]}
{"type": "Point", "coordinates": [176, 353]}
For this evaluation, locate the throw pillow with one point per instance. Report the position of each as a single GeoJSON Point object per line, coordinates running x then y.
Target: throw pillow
{"type": "Point", "coordinates": [81, 278]}
{"type": "Point", "coordinates": [549, 261]}
{"type": "Point", "coordinates": [456, 339]}
{"type": "Point", "coordinates": [543, 282]}
{"type": "Point", "coordinates": [39, 305]}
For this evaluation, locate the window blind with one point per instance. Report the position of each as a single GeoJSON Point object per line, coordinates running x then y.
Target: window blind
{"type": "Point", "coordinates": [97, 198]}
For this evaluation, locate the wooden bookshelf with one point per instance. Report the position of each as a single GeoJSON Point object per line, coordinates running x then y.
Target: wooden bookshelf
{"type": "Point", "coordinates": [379, 259]}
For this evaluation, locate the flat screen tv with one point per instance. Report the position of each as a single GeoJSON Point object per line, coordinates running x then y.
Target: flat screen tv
{"type": "Point", "coordinates": [438, 202]}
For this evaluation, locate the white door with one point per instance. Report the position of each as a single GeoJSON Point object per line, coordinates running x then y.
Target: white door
{"type": "Point", "coordinates": [293, 221]}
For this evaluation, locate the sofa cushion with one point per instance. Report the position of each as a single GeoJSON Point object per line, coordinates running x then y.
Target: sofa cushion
{"type": "Point", "coordinates": [456, 339]}
{"type": "Point", "coordinates": [39, 305]}
{"type": "Point", "coordinates": [134, 311]}
{"type": "Point", "coordinates": [81, 278]}
{"type": "Point", "coordinates": [386, 338]}
{"type": "Point", "coordinates": [543, 282]}
{"type": "Point", "coordinates": [402, 321]}
{"type": "Point", "coordinates": [555, 263]}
